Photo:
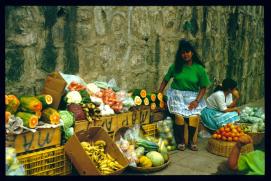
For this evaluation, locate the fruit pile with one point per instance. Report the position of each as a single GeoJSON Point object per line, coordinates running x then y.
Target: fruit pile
{"type": "Point", "coordinates": [229, 132]}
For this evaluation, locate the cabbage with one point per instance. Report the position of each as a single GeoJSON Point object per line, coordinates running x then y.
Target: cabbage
{"type": "Point", "coordinates": [67, 118]}
{"type": "Point", "coordinates": [156, 158]}
{"type": "Point", "coordinates": [140, 151]}
{"type": "Point", "coordinates": [69, 132]}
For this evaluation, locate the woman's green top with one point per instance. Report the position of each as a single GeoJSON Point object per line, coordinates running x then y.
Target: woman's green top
{"type": "Point", "coordinates": [252, 163]}
{"type": "Point", "coordinates": [191, 78]}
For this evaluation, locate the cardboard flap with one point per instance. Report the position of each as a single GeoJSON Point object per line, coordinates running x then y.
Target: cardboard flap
{"type": "Point", "coordinates": [79, 158]}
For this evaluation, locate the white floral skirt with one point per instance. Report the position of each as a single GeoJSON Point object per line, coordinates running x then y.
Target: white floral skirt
{"type": "Point", "coordinates": [178, 102]}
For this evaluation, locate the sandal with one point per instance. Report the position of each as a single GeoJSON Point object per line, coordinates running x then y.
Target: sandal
{"type": "Point", "coordinates": [181, 147]}
{"type": "Point", "coordinates": [193, 147]}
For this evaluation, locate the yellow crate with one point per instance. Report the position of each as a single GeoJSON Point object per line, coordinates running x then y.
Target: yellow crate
{"type": "Point", "coordinates": [51, 161]}
{"type": "Point", "coordinates": [149, 129]}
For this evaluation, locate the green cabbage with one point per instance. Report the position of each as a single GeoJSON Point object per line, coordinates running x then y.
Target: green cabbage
{"type": "Point", "coordinates": [67, 118]}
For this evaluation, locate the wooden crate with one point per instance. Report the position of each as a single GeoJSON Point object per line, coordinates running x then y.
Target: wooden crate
{"type": "Point", "coordinates": [141, 117]}
{"type": "Point", "coordinates": [82, 125]}
{"type": "Point", "coordinates": [109, 123]}
{"type": "Point", "coordinates": [29, 141]}
{"type": "Point", "coordinates": [125, 119]}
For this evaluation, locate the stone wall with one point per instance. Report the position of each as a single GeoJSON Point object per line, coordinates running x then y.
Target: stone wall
{"type": "Point", "coordinates": [133, 45]}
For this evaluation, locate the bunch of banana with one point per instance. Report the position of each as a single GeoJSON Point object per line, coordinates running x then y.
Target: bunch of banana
{"type": "Point", "coordinates": [104, 162]}
{"type": "Point", "coordinates": [91, 111]}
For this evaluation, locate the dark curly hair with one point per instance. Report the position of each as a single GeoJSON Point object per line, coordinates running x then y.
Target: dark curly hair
{"type": "Point", "coordinates": [227, 84]}
{"type": "Point", "coordinates": [185, 45]}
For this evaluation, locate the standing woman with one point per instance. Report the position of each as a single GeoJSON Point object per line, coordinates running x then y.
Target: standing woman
{"type": "Point", "coordinates": [185, 95]}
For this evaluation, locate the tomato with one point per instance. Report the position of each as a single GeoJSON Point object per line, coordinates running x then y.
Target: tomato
{"type": "Point", "coordinates": [221, 129]}
{"type": "Point", "coordinates": [229, 138]}
{"type": "Point", "coordinates": [233, 134]}
{"type": "Point", "coordinates": [230, 134]}
{"type": "Point", "coordinates": [226, 134]}
{"type": "Point", "coordinates": [227, 129]}
{"type": "Point", "coordinates": [224, 138]}
{"type": "Point", "coordinates": [232, 127]}
{"type": "Point", "coordinates": [218, 136]}
{"type": "Point", "coordinates": [235, 139]}
{"type": "Point", "coordinates": [239, 129]}
{"type": "Point", "coordinates": [234, 131]}
{"type": "Point", "coordinates": [229, 125]}
{"type": "Point", "coordinates": [214, 136]}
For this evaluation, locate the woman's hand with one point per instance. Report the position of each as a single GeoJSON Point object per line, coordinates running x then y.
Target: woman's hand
{"type": "Point", "coordinates": [245, 139]}
{"type": "Point", "coordinates": [194, 104]}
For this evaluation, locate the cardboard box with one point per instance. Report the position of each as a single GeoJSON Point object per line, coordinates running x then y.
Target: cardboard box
{"type": "Point", "coordinates": [80, 159]}
{"type": "Point", "coordinates": [109, 123]}
{"type": "Point", "coordinates": [29, 141]}
{"type": "Point", "coordinates": [55, 86]}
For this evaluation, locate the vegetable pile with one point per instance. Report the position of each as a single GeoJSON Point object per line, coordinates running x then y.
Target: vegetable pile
{"type": "Point", "coordinates": [165, 131]}
{"type": "Point", "coordinates": [140, 151]}
{"type": "Point", "coordinates": [254, 119]}
{"type": "Point", "coordinates": [230, 132]}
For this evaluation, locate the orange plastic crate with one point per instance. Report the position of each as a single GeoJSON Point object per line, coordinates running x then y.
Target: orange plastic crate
{"type": "Point", "coordinates": [51, 161]}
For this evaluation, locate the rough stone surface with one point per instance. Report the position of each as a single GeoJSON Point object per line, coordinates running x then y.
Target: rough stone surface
{"type": "Point", "coordinates": [134, 45]}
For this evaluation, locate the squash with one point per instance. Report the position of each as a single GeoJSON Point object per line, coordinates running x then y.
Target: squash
{"type": "Point", "coordinates": [51, 116]}
{"type": "Point", "coordinates": [162, 104]}
{"type": "Point", "coordinates": [30, 103]}
{"type": "Point", "coordinates": [143, 93]}
{"type": "Point", "coordinates": [145, 162]}
{"type": "Point", "coordinates": [29, 120]}
{"type": "Point", "coordinates": [153, 106]}
{"type": "Point", "coordinates": [153, 97]}
{"type": "Point", "coordinates": [160, 96]}
{"type": "Point", "coordinates": [46, 100]}
{"type": "Point", "coordinates": [12, 103]}
{"type": "Point", "coordinates": [137, 101]}
{"type": "Point", "coordinates": [146, 101]}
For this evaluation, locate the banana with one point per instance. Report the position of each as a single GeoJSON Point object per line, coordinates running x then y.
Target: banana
{"type": "Point", "coordinates": [99, 142]}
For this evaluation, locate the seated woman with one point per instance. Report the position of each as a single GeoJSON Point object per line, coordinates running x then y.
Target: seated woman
{"type": "Point", "coordinates": [217, 113]}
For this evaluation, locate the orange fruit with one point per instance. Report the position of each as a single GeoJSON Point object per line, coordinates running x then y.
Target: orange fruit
{"type": "Point", "coordinates": [235, 139]}
{"type": "Point", "coordinates": [229, 125]}
{"type": "Point", "coordinates": [229, 138]}
{"type": "Point", "coordinates": [221, 129]}
{"type": "Point", "coordinates": [233, 134]}
{"type": "Point", "coordinates": [239, 129]}
{"type": "Point", "coordinates": [230, 134]}
{"type": "Point", "coordinates": [226, 134]}
{"type": "Point", "coordinates": [218, 136]}
{"type": "Point", "coordinates": [224, 138]}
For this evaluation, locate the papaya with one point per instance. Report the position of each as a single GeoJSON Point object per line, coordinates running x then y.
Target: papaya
{"type": "Point", "coordinates": [30, 103]}
{"type": "Point", "coordinates": [29, 120]}
{"type": "Point", "coordinates": [50, 115]}
{"type": "Point", "coordinates": [137, 101]}
{"type": "Point", "coordinates": [12, 103]}
{"type": "Point", "coordinates": [146, 101]}
{"type": "Point", "coordinates": [46, 100]}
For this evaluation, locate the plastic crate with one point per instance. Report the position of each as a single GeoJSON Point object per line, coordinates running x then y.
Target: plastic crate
{"type": "Point", "coordinates": [51, 161]}
{"type": "Point", "coordinates": [149, 129]}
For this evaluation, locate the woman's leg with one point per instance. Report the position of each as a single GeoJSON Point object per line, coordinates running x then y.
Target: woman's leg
{"type": "Point", "coordinates": [193, 123]}
{"type": "Point", "coordinates": [179, 132]}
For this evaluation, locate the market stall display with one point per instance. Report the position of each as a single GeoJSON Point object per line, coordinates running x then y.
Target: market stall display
{"type": "Point", "coordinates": [252, 122]}
{"type": "Point", "coordinates": [223, 140]}
{"type": "Point", "coordinates": [143, 154]}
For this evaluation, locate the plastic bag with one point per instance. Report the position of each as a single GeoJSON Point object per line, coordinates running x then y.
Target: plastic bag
{"type": "Point", "coordinates": [113, 84]}
{"type": "Point", "coordinates": [72, 78]}
{"type": "Point", "coordinates": [13, 166]}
